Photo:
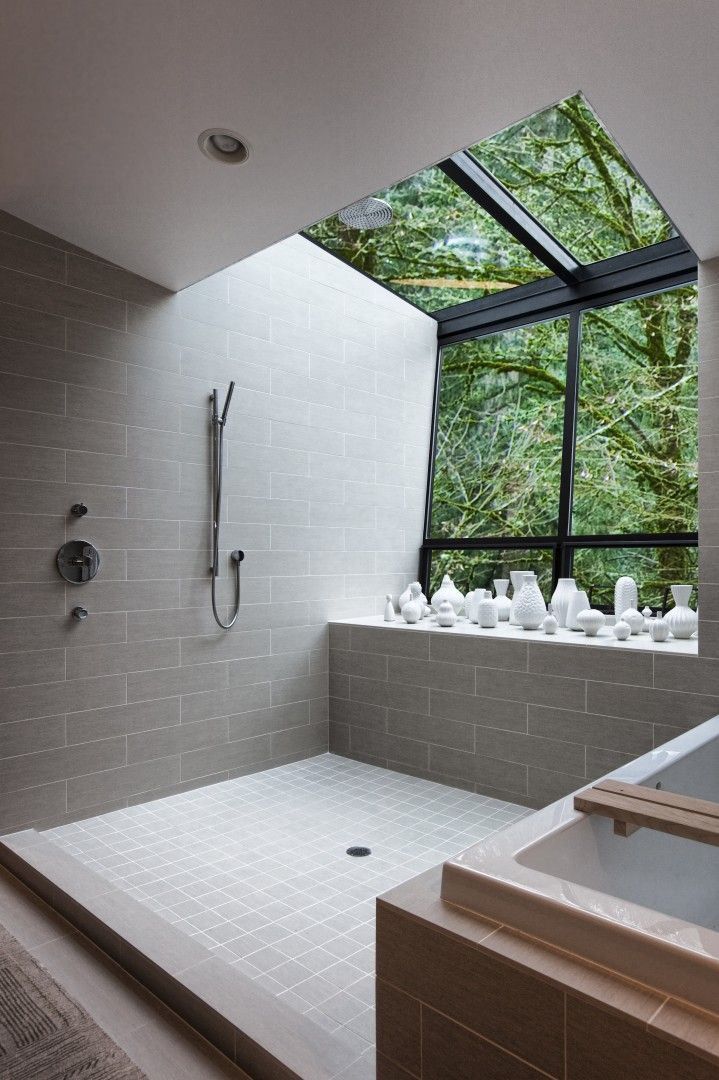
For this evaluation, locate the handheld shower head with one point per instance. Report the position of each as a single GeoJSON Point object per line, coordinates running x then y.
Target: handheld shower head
{"type": "Point", "coordinates": [228, 399]}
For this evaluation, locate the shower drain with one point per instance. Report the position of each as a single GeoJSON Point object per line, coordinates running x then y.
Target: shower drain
{"type": "Point", "coordinates": [357, 852]}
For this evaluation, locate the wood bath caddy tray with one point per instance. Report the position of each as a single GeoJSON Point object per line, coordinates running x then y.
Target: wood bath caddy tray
{"type": "Point", "coordinates": [632, 807]}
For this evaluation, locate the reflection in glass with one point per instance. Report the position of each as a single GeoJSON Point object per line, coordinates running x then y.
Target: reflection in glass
{"type": "Point", "coordinates": [499, 434]}
{"type": "Point", "coordinates": [478, 569]}
{"type": "Point", "coordinates": [654, 570]}
{"type": "Point", "coordinates": [568, 171]}
{"type": "Point", "coordinates": [440, 248]}
{"type": "Point", "coordinates": [636, 448]}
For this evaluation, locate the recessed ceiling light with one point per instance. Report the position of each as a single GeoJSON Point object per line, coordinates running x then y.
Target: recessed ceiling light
{"type": "Point", "coordinates": [220, 144]}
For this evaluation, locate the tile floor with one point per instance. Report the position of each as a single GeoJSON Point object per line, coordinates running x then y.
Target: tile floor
{"type": "Point", "coordinates": [256, 870]}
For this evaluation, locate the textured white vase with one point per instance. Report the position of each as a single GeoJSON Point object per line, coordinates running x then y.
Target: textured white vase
{"type": "Point", "coordinates": [448, 591]}
{"type": "Point", "coordinates": [487, 614]}
{"type": "Point", "coordinates": [560, 598]}
{"type": "Point", "coordinates": [621, 630]}
{"type": "Point", "coordinates": [502, 600]}
{"type": "Point", "coordinates": [578, 601]}
{"type": "Point", "coordinates": [550, 624]}
{"type": "Point", "coordinates": [658, 629]}
{"type": "Point", "coordinates": [634, 618]}
{"type": "Point", "coordinates": [591, 621]}
{"type": "Point", "coordinates": [446, 615]}
{"type": "Point", "coordinates": [625, 595]}
{"type": "Point", "coordinates": [471, 601]}
{"type": "Point", "coordinates": [681, 619]}
{"type": "Point", "coordinates": [388, 608]}
{"type": "Point", "coordinates": [406, 596]}
{"type": "Point", "coordinates": [529, 606]}
{"type": "Point", "coordinates": [517, 577]}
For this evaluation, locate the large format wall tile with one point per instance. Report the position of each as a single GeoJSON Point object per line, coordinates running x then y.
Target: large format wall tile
{"type": "Point", "coordinates": [105, 381]}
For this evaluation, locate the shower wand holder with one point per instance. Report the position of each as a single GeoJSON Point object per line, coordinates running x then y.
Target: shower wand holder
{"type": "Point", "coordinates": [237, 556]}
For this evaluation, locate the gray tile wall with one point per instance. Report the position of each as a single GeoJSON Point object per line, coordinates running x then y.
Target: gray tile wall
{"type": "Point", "coordinates": [104, 381]}
{"type": "Point", "coordinates": [522, 722]}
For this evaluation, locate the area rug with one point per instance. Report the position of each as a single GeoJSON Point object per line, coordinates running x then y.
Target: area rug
{"type": "Point", "coordinates": [44, 1034]}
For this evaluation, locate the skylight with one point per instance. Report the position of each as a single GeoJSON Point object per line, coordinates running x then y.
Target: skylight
{"type": "Point", "coordinates": [449, 242]}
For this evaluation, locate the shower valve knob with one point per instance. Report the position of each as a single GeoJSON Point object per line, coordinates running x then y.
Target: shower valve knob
{"type": "Point", "coordinates": [78, 509]}
{"type": "Point", "coordinates": [237, 556]}
{"type": "Point", "coordinates": [79, 613]}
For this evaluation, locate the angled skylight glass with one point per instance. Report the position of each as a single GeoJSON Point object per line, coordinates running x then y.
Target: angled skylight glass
{"type": "Point", "coordinates": [441, 248]}
{"type": "Point", "coordinates": [566, 169]}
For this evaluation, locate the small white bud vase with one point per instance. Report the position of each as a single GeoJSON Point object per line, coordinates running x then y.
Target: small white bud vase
{"type": "Point", "coordinates": [389, 609]}
{"type": "Point", "coordinates": [446, 615]}
{"type": "Point", "coordinates": [550, 624]}
{"type": "Point", "coordinates": [406, 596]}
{"type": "Point", "coordinates": [682, 620]}
{"type": "Point", "coordinates": [591, 621]}
{"type": "Point", "coordinates": [578, 601]}
{"type": "Point", "coordinates": [529, 607]}
{"type": "Point", "coordinates": [487, 614]}
{"type": "Point", "coordinates": [448, 591]}
{"type": "Point", "coordinates": [560, 598]}
{"type": "Point", "coordinates": [621, 630]}
{"type": "Point", "coordinates": [517, 577]}
{"type": "Point", "coordinates": [658, 629]}
{"type": "Point", "coordinates": [502, 600]}
{"type": "Point", "coordinates": [413, 610]}
{"type": "Point", "coordinates": [625, 595]}
{"type": "Point", "coordinates": [635, 619]}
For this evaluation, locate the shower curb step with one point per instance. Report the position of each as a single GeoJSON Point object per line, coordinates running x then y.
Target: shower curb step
{"type": "Point", "coordinates": [245, 1022]}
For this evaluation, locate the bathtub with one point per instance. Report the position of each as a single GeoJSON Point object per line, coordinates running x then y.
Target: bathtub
{"type": "Point", "coordinates": [646, 906]}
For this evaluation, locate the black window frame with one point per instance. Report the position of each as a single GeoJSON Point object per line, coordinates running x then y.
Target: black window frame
{"type": "Point", "coordinates": [659, 268]}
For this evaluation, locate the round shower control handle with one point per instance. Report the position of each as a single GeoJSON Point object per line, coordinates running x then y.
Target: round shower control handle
{"type": "Point", "coordinates": [79, 613]}
{"type": "Point", "coordinates": [237, 556]}
{"type": "Point", "coordinates": [78, 509]}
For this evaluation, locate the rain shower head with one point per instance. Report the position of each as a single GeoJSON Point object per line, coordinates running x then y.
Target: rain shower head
{"type": "Point", "coordinates": [369, 213]}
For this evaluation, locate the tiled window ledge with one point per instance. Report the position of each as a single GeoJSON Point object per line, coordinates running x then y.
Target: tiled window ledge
{"type": "Point", "coordinates": [504, 632]}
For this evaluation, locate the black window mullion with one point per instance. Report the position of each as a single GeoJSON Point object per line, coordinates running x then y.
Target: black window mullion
{"type": "Point", "coordinates": [563, 560]}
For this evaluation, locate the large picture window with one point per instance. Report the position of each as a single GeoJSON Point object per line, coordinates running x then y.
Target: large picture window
{"type": "Point", "coordinates": [569, 446]}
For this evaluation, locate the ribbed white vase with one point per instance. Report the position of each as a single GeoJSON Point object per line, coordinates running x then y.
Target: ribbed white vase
{"type": "Point", "coordinates": [560, 598]}
{"type": "Point", "coordinates": [681, 619]}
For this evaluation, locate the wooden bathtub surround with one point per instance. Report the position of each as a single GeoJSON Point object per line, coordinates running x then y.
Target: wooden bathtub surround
{"type": "Point", "coordinates": [633, 806]}
{"type": "Point", "coordinates": [462, 997]}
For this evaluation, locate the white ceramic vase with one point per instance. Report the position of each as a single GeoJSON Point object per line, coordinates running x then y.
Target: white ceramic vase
{"type": "Point", "coordinates": [448, 591]}
{"type": "Point", "coordinates": [517, 578]}
{"type": "Point", "coordinates": [406, 596]}
{"type": "Point", "coordinates": [388, 608]}
{"type": "Point", "coordinates": [658, 629]}
{"type": "Point", "coordinates": [550, 624]}
{"type": "Point", "coordinates": [413, 610]}
{"type": "Point", "coordinates": [578, 601]}
{"type": "Point", "coordinates": [560, 598]}
{"type": "Point", "coordinates": [502, 600]}
{"type": "Point", "coordinates": [591, 621]}
{"type": "Point", "coordinates": [681, 619]}
{"type": "Point", "coordinates": [625, 595]}
{"type": "Point", "coordinates": [471, 601]}
{"type": "Point", "coordinates": [446, 615]}
{"type": "Point", "coordinates": [487, 613]}
{"type": "Point", "coordinates": [621, 630]}
{"type": "Point", "coordinates": [634, 618]}
{"type": "Point", "coordinates": [529, 606]}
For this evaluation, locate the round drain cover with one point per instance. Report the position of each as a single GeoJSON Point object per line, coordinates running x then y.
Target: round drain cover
{"type": "Point", "coordinates": [357, 852]}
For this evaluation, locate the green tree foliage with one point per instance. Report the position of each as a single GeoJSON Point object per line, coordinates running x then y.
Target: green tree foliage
{"type": "Point", "coordinates": [498, 459]}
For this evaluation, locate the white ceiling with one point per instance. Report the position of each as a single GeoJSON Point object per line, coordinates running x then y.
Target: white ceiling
{"type": "Point", "coordinates": [101, 103]}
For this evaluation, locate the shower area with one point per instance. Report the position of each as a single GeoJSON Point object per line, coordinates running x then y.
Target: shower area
{"type": "Point", "coordinates": [214, 482]}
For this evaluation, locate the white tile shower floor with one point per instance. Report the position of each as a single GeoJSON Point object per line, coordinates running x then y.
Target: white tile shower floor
{"type": "Point", "coordinates": [256, 869]}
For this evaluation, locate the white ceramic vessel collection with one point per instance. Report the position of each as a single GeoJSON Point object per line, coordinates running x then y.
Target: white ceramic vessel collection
{"type": "Point", "coordinates": [569, 608]}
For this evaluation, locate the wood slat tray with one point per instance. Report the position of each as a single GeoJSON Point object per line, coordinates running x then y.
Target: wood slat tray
{"type": "Point", "coordinates": [632, 807]}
